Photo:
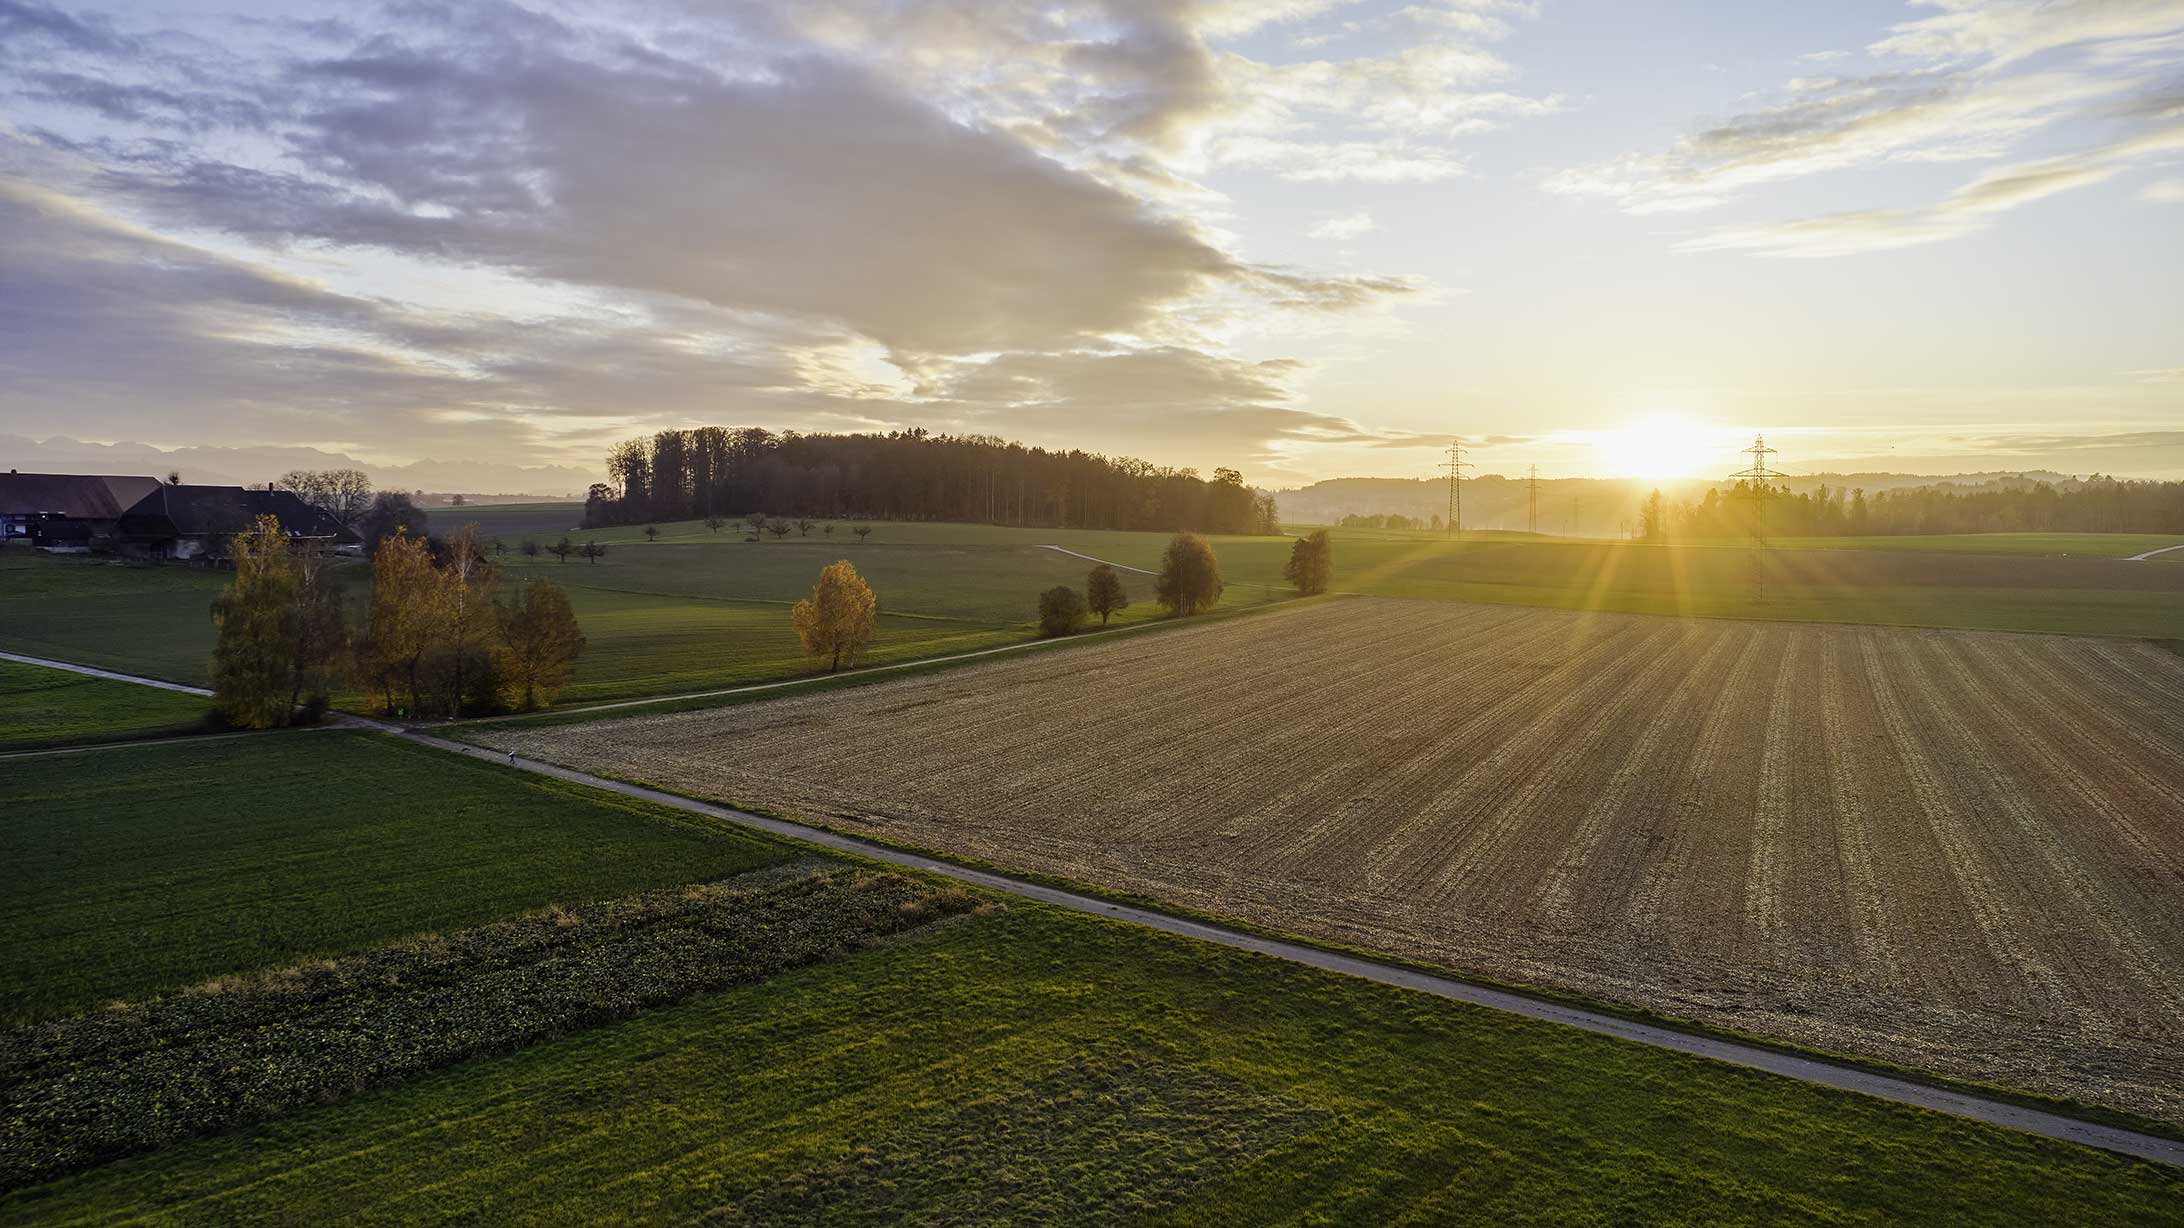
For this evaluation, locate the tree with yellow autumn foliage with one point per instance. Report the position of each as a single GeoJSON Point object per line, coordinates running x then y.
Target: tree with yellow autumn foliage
{"type": "Point", "coordinates": [836, 620]}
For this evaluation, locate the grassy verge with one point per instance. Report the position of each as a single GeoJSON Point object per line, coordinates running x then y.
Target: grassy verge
{"type": "Point", "coordinates": [171, 864]}
{"type": "Point", "coordinates": [42, 708]}
{"type": "Point", "coordinates": [1041, 1067]}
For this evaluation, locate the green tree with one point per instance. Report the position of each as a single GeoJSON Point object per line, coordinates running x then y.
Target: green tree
{"type": "Point", "coordinates": [1653, 518]}
{"type": "Point", "coordinates": [402, 624]}
{"type": "Point", "coordinates": [391, 512]}
{"type": "Point", "coordinates": [543, 640]}
{"type": "Point", "coordinates": [652, 532]}
{"type": "Point", "coordinates": [562, 549]}
{"type": "Point", "coordinates": [467, 626]}
{"type": "Point", "coordinates": [836, 620]}
{"type": "Point", "coordinates": [254, 661]}
{"type": "Point", "coordinates": [1190, 579]}
{"type": "Point", "coordinates": [595, 551]}
{"type": "Point", "coordinates": [321, 631]}
{"type": "Point", "coordinates": [1061, 610]}
{"type": "Point", "coordinates": [1311, 563]}
{"type": "Point", "coordinates": [1104, 593]}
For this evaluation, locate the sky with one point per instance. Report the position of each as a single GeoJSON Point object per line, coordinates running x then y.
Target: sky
{"type": "Point", "coordinates": [1303, 238]}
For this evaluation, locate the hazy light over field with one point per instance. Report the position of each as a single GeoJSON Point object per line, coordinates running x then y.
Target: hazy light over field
{"type": "Point", "coordinates": [1662, 446]}
{"type": "Point", "coordinates": [1309, 238]}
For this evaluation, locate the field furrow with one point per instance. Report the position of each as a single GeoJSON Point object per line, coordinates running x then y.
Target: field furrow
{"type": "Point", "coordinates": [1981, 893]}
{"type": "Point", "coordinates": [1956, 850]}
{"type": "Point", "coordinates": [1586, 868]}
{"type": "Point", "coordinates": [1862, 869]}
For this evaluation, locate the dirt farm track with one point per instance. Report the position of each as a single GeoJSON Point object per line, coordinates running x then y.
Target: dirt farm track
{"type": "Point", "coordinates": [1956, 850]}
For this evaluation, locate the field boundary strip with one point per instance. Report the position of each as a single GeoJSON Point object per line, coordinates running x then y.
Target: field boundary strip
{"type": "Point", "coordinates": [1805, 1069]}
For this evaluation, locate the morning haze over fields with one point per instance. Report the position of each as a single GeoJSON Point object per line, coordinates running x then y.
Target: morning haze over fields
{"type": "Point", "coordinates": [880, 612]}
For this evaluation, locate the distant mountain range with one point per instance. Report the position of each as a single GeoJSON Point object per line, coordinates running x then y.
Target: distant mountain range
{"type": "Point", "coordinates": [257, 465]}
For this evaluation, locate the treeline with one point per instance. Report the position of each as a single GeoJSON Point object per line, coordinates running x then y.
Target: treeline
{"type": "Point", "coordinates": [2098, 505]}
{"type": "Point", "coordinates": [1391, 520]}
{"type": "Point", "coordinates": [912, 475]}
{"type": "Point", "coordinates": [437, 639]}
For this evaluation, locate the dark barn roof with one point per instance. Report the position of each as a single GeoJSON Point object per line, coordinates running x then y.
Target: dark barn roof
{"type": "Point", "coordinates": [78, 496]}
{"type": "Point", "coordinates": [193, 511]}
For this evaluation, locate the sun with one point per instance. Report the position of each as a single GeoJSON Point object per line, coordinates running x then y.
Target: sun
{"type": "Point", "coordinates": [1657, 447]}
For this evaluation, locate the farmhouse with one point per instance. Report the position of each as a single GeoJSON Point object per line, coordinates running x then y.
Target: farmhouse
{"type": "Point", "coordinates": [146, 518]}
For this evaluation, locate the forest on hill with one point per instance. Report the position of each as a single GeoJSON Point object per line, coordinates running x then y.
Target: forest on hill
{"type": "Point", "coordinates": [912, 475]}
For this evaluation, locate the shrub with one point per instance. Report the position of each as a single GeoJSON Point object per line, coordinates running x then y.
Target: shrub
{"type": "Point", "coordinates": [1061, 610]}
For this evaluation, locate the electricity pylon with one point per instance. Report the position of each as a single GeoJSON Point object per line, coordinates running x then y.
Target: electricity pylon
{"type": "Point", "coordinates": [1757, 486]}
{"type": "Point", "coordinates": [1456, 464]}
{"type": "Point", "coordinates": [1531, 493]}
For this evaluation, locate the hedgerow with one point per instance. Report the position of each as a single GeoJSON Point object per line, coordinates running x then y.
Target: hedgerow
{"type": "Point", "coordinates": [92, 1087]}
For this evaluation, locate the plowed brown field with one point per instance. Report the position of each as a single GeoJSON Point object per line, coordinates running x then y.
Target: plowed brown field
{"type": "Point", "coordinates": [1956, 850]}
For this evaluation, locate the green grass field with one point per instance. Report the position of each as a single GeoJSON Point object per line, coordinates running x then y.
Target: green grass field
{"type": "Point", "coordinates": [42, 707]}
{"type": "Point", "coordinates": [1037, 1067]}
{"type": "Point", "coordinates": [2031, 545]}
{"type": "Point", "coordinates": [693, 611]}
{"type": "Point", "coordinates": [1957, 589]}
{"type": "Point", "coordinates": [135, 618]}
{"type": "Point", "coordinates": [131, 871]}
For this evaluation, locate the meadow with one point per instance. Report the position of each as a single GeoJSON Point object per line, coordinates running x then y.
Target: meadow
{"type": "Point", "coordinates": [129, 872]}
{"type": "Point", "coordinates": [694, 610]}
{"type": "Point", "coordinates": [1938, 849]}
{"type": "Point", "coordinates": [2034, 545]}
{"type": "Point", "coordinates": [42, 707]}
{"type": "Point", "coordinates": [1037, 1067]}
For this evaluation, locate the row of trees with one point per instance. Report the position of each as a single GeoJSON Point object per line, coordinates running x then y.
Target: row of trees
{"type": "Point", "coordinates": [439, 641]}
{"type": "Point", "coordinates": [912, 475]}
{"type": "Point", "coordinates": [1189, 581]}
{"type": "Point", "coordinates": [2097, 505]}
{"type": "Point", "coordinates": [1391, 520]}
{"type": "Point", "coordinates": [437, 638]}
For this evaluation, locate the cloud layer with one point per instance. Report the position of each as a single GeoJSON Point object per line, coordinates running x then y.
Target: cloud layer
{"type": "Point", "coordinates": [1972, 83]}
{"type": "Point", "coordinates": [446, 227]}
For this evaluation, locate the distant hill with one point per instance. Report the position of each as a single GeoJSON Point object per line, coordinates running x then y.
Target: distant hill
{"type": "Point", "coordinates": [257, 465]}
{"type": "Point", "coordinates": [1578, 507]}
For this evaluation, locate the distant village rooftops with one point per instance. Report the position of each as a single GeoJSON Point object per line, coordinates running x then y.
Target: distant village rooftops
{"type": "Point", "coordinates": [147, 518]}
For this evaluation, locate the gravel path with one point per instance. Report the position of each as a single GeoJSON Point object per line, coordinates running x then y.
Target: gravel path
{"type": "Point", "coordinates": [101, 673]}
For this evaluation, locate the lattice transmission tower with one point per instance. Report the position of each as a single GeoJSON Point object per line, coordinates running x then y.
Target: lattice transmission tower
{"type": "Point", "coordinates": [1756, 483]}
{"type": "Point", "coordinates": [1456, 464]}
{"type": "Point", "coordinates": [1531, 498]}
